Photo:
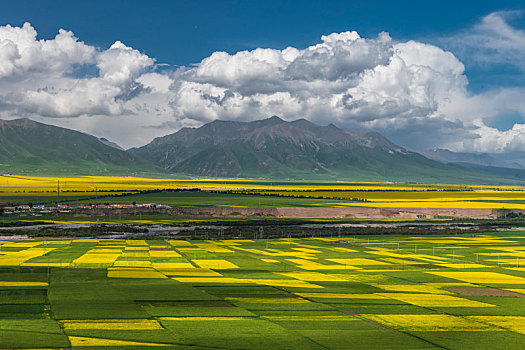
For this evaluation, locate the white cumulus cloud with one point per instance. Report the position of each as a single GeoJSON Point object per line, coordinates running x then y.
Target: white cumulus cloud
{"type": "Point", "coordinates": [21, 53]}
{"type": "Point", "coordinates": [38, 76]}
{"type": "Point", "coordinates": [414, 92]}
{"type": "Point", "coordinates": [352, 81]}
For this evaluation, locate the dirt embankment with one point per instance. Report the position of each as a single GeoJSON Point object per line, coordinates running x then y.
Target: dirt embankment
{"type": "Point", "coordinates": [311, 212]}
{"type": "Point", "coordinates": [350, 212]}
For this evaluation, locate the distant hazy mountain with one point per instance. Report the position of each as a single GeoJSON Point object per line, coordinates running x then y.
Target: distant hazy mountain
{"type": "Point", "coordinates": [27, 146]}
{"type": "Point", "coordinates": [515, 158]}
{"type": "Point", "coordinates": [299, 149]}
{"type": "Point", "coordinates": [446, 156]}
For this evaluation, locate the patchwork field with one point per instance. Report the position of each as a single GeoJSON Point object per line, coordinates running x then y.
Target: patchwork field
{"type": "Point", "coordinates": [254, 193]}
{"type": "Point", "coordinates": [452, 292]}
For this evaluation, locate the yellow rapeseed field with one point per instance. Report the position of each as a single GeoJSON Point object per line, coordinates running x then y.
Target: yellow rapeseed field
{"type": "Point", "coordinates": [368, 194]}
{"type": "Point", "coordinates": [122, 325]}
{"type": "Point", "coordinates": [512, 323]}
{"type": "Point", "coordinates": [134, 273]}
{"type": "Point", "coordinates": [22, 284]}
{"type": "Point", "coordinates": [481, 277]}
{"type": "Point", "coordinates": [146, 290]}
{"type": "Point", "coordinates": [102, 342]}
{"type": "Point", "coordinates": [215, 264]}
{"type": "Point", "coordinates": [434, 300]}
{"type": "Point", "coordinates": [434, 323]}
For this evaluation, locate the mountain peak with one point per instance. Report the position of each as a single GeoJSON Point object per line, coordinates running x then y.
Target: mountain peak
{"type": "Point", "coordinates": [15, 121]}
{"type": "Point", "coordinates": [273, 147]}
{"type": "Point", "coordinates": [274, 119]}
{"type": "Point", "coordinates": [268, 121]}
{"type": "Point", "coordinates": [21, 122]}
{"type": "Point", "coordinates": [303, 123]}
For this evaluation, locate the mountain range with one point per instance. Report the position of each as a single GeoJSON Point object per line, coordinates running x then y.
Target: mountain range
{"type": "Point", "coordinates": [269, 148]}
{"type": "Point", "coordinates": [29, 147]}
{"type": "Point", "coordinates": [484, 159]}
{"type": "Point", "coordinates": [274, 148]}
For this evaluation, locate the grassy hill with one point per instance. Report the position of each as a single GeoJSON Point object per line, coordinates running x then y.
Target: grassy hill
{"type": "Point", "coordinates": [29, 147]}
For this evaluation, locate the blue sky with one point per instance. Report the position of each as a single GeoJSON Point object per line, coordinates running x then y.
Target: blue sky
{"type": "Point", "coordinates": [190, 33]}
{"type": "Point", "coordinates": [185, 32]}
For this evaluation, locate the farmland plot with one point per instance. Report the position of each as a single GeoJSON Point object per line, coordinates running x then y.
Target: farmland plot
{"type": "Point", "coordinates": [450, 292]}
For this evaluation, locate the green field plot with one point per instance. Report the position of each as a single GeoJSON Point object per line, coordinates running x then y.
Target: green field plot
{"type": "Point", "coordinates": [211, 199]}
{"type": "Point", "coordinates": [391, 292]}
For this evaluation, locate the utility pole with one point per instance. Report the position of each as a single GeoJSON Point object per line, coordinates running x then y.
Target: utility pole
{"type": "Point", "coordinates": [58, 192]}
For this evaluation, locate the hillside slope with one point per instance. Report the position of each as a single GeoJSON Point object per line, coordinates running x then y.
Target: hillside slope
{"type": "Point", "coordinates": [274, 148]}
{"type": "Point", "coordinates": [29, 147]}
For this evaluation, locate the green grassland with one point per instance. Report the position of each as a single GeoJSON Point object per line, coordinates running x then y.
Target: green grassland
{"type": "Point", "coordinates": [214, 199]}
{"type": "Point", "coordinates": [391, 292]}
{"type": "Point", "coordinates": [179, 199]}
